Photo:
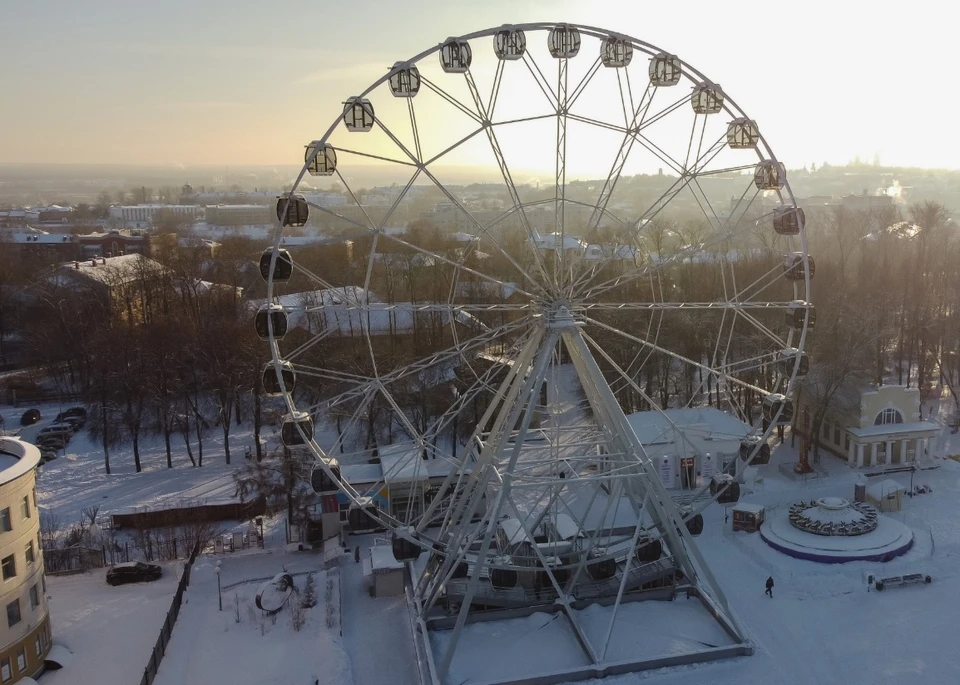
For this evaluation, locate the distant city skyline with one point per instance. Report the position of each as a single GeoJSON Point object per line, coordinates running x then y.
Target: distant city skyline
{"type": "Point", "coordinates": [177, 83]}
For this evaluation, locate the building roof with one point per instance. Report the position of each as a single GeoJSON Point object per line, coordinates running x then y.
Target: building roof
{"type": "Point", "coordinates": [654, 426]}
{"type": "Point", "coordinates": [37, 237]}
{"type": "Point", "coordinates": [896, 429]}
{"type": "Point", "coordinates": [382, 559]}
{"type": "Point", "coordinates": [107, 270]}
{"type": "Point", "coordinates": [21, 458]}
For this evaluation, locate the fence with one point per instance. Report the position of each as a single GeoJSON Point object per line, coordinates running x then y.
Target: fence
{"type": "Point", "coordinates": [75, 559]}
{"type": "Point", "coordinates": [204, 513]}
{"type": "Point", "coordinates": [160, 648]}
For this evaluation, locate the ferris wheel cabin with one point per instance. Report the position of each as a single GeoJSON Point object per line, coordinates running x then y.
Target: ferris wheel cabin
{"type": "Point", "coordinates": [322, 163]}
{"type": "Point", "coordinates": [296, 429]}
{"type": "Point", "coordinates": [707, 98]}
{"type": "Point", "coordinates": [800, 312]}
{"type": "Point", "coordinates": [743, 134]}
{"type": "Point", "coordinates": [404, 81]}
{"type": "Point", "coordinates": [292, 210]}
{"type": "Point", "coordinates": [272, 375]}
{"type": "Point", "coordinates": [616, 53]}
{"type": "Point", "coordinates": [358, 115]}
{"type": "Point", "coordinates": [509, 44]}
{"type": "Point", "coordinates": [456, 56]}
{"type": "Point", "coordinates": [282, 272]}
{"type": "Point", "coordinates": [777, 404]}
{"type": "Point", "coordinates": [270, 315]}
{"type": "Point", "coordinates": [665, 70]}
{"type": "Point", "coordinates": [794, 269]}
{"type": "Point", "coordinates": [563, 41]}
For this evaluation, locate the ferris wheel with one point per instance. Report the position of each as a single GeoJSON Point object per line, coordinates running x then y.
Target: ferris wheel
{"type": "Point", "coordinates": [475, 366]}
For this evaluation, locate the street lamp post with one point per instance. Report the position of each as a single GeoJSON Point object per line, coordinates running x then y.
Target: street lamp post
{"type": "Point", "coordinates": [219, 594]}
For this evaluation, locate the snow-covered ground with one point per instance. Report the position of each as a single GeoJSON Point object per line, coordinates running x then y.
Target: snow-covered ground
{"type": "Point", "coordinates": [110, 630]}
{"type": "Point", "coordinates": [76, 479]}
{"type": "Point", "coordinates": [822, 626]}
{"type": "Point", "coordinates": [213, 646]}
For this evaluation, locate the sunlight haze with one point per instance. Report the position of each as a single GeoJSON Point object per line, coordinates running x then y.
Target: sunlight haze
{"type": "Point", "coordinates": [184, 83]}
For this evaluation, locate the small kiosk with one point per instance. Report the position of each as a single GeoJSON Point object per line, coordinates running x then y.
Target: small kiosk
{"type": "Point", "coordinates": [748, 517]}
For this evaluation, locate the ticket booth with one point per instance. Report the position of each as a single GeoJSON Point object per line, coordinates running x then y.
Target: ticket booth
{"type": "Point", "coordinates": [748, 517]}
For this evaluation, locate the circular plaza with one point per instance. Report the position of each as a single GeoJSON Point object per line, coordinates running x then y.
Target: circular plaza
{"type": "Point", "coordinates": [834, 530]}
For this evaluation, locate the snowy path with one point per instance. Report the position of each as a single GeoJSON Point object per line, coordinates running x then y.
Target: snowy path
{"type": "Point", "coordinates": [376, 632]}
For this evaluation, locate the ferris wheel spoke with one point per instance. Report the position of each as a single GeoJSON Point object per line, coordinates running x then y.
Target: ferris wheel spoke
{"type": "Point", "coordinates": [449, 98]}
{"type": "Point", "coordinates": [447, 150]}
{"type": "Point", "coordinates": [415, 131]}
{"type": "Point", "coordinates": [670, 353]}
{"type": "Point", "coordinates": [541, 80]}
{"type": "Point", "coordinates": [560, 183]}
{"type": "Point", "coordinates": [495, 89]}
{"type": "Point", "coordinates": [578, 90]}
{"type": "Point", "coordinates": [451, 353]}
{"type": "Point", "coordinates": [480, 227]}
{"type": "Point", "coordinates": [505, 173]}
{"type": "Point", "coordinates": [328, 374]}
{"type": "Point", "coordinates": [381, 158]}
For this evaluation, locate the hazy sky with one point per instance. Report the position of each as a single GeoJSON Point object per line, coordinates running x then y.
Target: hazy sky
{"type": "Point", "coordinates": [173, 82]}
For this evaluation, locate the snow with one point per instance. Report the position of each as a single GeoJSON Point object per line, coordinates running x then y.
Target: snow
{"type": "Point", "coordinates": [111, 631]}
{"type": "Point", "coordinates": [889, 538]}
{"type": "Point", "coordinates": [76, 479]}
{"type": "Point", "coordinates": [211, 646]}
{"type": "Point", "coordinates": [749, 508]}
{"type": "Point", "coordinates": [884, 488]}
{"type": "Point", "coordinates": [382, 559]}
{"type": "Point", "coordinates": [895, 429]}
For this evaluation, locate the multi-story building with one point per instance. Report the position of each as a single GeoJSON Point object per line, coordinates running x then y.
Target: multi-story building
{"type": "Point", "coordinates": [25, 635]}
{"type": "Point", "coordinates": [144, 216]}
{"type": "Point", "coordinates": [241, 215]}
{"type": "Point", "coordinates": [38, 247]}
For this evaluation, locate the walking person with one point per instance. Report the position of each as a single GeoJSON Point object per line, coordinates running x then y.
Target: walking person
{"type": "Point", "coordinates": [769, 591]}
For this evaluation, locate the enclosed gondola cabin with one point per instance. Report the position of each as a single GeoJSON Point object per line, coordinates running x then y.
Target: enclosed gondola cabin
{"type": "Point", "coordinates": [358, 115]}
{"type": "Point", "coordinates": [363, 515]}
{"type": "Point", "coordinates": [282, 270]}
{"type": "Point", "coordinates": [324, 163]}
{"type": "Point", "coordinates": [788, 357]}
{"type": "Point", "coordinates": [404, 81]}
{"type": "Point", "coordinates": [695, 525]}
{"type": "Point", "coordinates": [563, 41]}
{"type": "Point", "coordinates": [724, 485]}
{"type": "Point", "coordinates": [769, 175]}
{"type": "Point", "coordinates": [707, 98]}
{"type": "Point", "coordinates": [788, 220]}
{"type": "Point", "coordinates": [292, 210]}
{"type": "Point", "coordinates": [503, 578]}
{"type": "Point", "coordinates": [616, 53]}
{"type": "Point", "coordinates": [509, 44]}
{"type": "Point", "coordinates": [461, 570]}
{"type": "Point", "coordinates": [273, 373]}
{"type": "Point", "coordinates": [800, 312]}
{"type": "Point", "coordinates": [602, 569]}
{"type": "Point", "coordinates": [648, 551]}
{"type": "Point", "coordinates": [794, 269]}
{"type": "Point", "coordinates": [320, 479]}
{"type": "Point", "coordinates": [755, 450]}
{"type": "Point", "coordinates": [270, 314]}
{"type": "Point", "coordinates": [742, 134]}
{"type": "Point", "coordinates": [404, 547]}
{"type": "Point", "coordinates": [297, 429]}
{"type": "Point", "coordinates": [664, 70]}
{"type": "Point", "coordinates": [456, 56]}
{"type": "Point", "coordinates": [772, 405]}
{"type": "Point", "coordinates": [748, 517]}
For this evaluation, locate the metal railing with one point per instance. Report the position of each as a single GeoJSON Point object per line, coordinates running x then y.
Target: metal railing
{"type": "Point", "coordinates": [160, 648]}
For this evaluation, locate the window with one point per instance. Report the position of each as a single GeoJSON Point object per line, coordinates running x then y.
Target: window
{"type": "Point", "coordinates": [836, 434]}
{"type": "Point", "coordinates": [25, 507]}
{"type": "Point", "coordinates": [888, 415]}
{"type": "Point", "coordinates": [9, 566]}
{"type": "Point", "coordinates": [5, 671]}
{"type": "Point", "coordinates": [5, 522]}
{"type": "Point", "coordinates": [38, 645]}
{"type": "Point", "coordinates": [34, 596]}
{"type": "Point", "coordinates": [826, 429]}
{"type": "Point", "coordinates": [13, 613]}
{"type": "Point", "coordinates": [43, 583]}
{"type": "Point", "coordinates": [22, 659]}
{"type": "Point", "coordinates": [28, 552]}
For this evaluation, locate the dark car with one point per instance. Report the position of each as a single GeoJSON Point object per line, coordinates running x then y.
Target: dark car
{"type": "Point", "coordinates": [77, 415]}
{"type": "Point", "coordinates": [133, 572]}
{"type": "Point", "coordinates": [30, 417]}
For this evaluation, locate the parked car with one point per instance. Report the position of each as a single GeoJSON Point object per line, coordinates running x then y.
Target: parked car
{"type": "Point", "coordinates": [47, 455]}
{"type": "Point", "coordinates": [30, 417]}
{"type": "Point", "coordinates": [51, 442]}
{"type": "Point", "coordinates": [133, 572]}
{"type": "Point", "coordinates": [74, 415]}
{"type": "Point", "coordinates": [64, 430]}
